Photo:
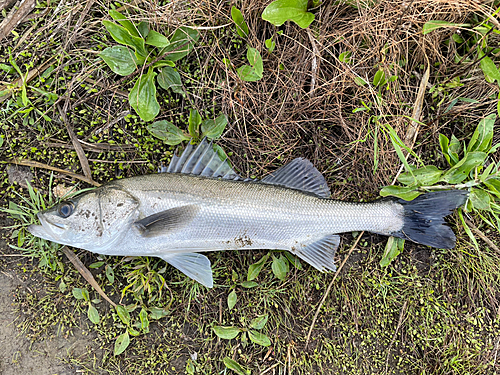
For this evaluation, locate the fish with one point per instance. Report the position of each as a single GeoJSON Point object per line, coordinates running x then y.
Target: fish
{"type": "Point", "coordinates": [200, 204]}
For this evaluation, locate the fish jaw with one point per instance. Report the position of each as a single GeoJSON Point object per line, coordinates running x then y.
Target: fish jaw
{"type": "Point", "coordinates": [47, 230]}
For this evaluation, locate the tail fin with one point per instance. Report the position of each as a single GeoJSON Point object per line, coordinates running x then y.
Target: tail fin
{"type": "Point", "coordinates": [424, 218]}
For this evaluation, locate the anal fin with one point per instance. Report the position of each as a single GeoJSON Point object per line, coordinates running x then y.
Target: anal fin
{"type": "Point", "coordinates": [194, 265]}
{"type": "Point", "coordinates": [319, 254]}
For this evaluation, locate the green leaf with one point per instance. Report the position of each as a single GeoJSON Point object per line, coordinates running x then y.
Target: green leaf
{"type": "Point", "coordinates": [93, 314]}
{"type": "Point", "coordinates": [167, 132]}
{"type": "Point", "coordinates": [194, 122]}
{"type": "Point", "coordinates": [143, 28]}
{"type": "Point", "coordinates": [133, 331]}
{"type": "Point", "coordinates": [379, 78]}
{"type": "Point", "coordinates": [280, 11]}
{"type": "Point", "coordinates": [254, 269]}
{"type": "Point", "coordinates": [255, 60]}
{"type": "Point", "coordinates": [158, 313]}
{"type": "Point", "coordinates": [123, 314]}
{"type": "Point", "coordinates": [122, 20]}
{"type": "Point", "coordinates": [227, 333]}
{"type": "Point", "coordinates": [483, 135]}
{"type": "Point", "coordinates": [248, 73]}
{"type": "Point", "coordinates": [96, 264]}
{"type": "Point", "coordinates": [121, 60]}
{"type": "Point", "coordinates": [162, 63]}
{"type": "Point", "coordinates": [393, 248]}
{"type": "Point", "coordinates": [480, 199]}
{"type": "Point", "coordinates": [490, 70]}
{"type": "Point", "coordinates": [424, 176]}
{"type": "Point", "coordinates": [121, 343]}
{"type": "Point", "coordinates": [232, 298]}
{"type": "Point", "coordinates": [249, 284]}
{"type": "Point", "coordinates": [461, 170]}
{"type": "Point", "coordinates": [241, 25]}
{"type": "Point", "coordinates": [233, 365]}
{"type": "Point", "coordinates": [123, 36]}
{"type": "Point", "coordinates": [435, 24]}
{"type": "Point", "coordinates": [345, 57]}
{"type": "Point", "coordinates": [259, 338]}
{"type": "Point", "coordinates": [143, 96]}
{"type": "Point", "coordinates": [360, 81]}
{"type": "Point", "coordinates": [77, 293]}
{"type": "Point", "coordinates": [280, 267]}
{"type": "Point", "coordinates": [85, 294]}
{"type": "Point", "coordinates": [214, 128]}
{"type": "Point", "coordinates": [110, 274]}
{"type": "Point", "coordinates": [156, 39]}
{"type": "Point", "coordinates": [143, 316]}
{"type": "Point", "coordinates": [403, 192]}
{"type": "Point", "coordinates": [182, 42]}
{"type": "Point", "coordinates": [293, 260]}
{"type": "Point", "coordinates": [270, 44]}
{"type": "Point", "coordinates": [170, 79]}
{"type": "Point", "coordinates": [259, 322]}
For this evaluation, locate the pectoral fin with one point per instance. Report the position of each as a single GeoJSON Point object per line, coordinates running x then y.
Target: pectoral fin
{"type": "Point", "coordinates": [194, 265]}
{"type": "Point", "coordinates": [166, 221]}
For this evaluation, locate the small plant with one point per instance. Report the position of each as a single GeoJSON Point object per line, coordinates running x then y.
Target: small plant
{"type": "Point", "coordinates": [83, 294]}
{"type": "Point", "coordinates": [229, 333]}
{"type": "Point", "coordinates": [470, 167]}
{"type": "Point", "coordinates": [280, 265]}
{"type": "Point", "coordinates": [197, 129]}
{"type": "Point", "coordinates": [150, 51]}
{"type": "Point", "coordinates": [254, 71]}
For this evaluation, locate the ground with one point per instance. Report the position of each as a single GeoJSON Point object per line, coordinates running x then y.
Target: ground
{"type": "Point", "coordinates": [339, 92]}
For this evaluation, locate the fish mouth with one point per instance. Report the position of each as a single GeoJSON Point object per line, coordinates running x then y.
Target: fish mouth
{"type": "Point", "coordinates": [48, 230]}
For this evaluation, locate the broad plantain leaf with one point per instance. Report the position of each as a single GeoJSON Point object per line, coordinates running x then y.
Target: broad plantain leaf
{"type": "Point", "coordinates": [393, 248]}
{"type": "Point", "coordinates": [227, 333]}
{"type": "Point", "coordinates": [280, 11]}
{"type": "Point", "coordinates": [170, 79]}
{"type": "Point", "coordinates": [259, 322]}
{"type": "Point", "coordinates": [241, 25]}
{"type": "Point", "coordinates": [93, 314]}
{"type": "Point", "coordinates": [254, 58]}
{"type": "Point", "coordinates": [259, 338]}
{"type": "Point", "coordinates": [123, 36]}
{"type": "Point", "coordinates": [461, 170]}
{"type": "Point", "coordinates": [403, 192]}
{"type": "Point", "coordinates": [167, 132]}
{"type": "Point", "coordinates": [235, 366]}
{"type": "Point", "coordinates": [182, 42]}
{"type": "Point", "coordinates": [194, 122]}
{"type": "Point", "coordinates": [120, 59]}
{"type": "Point", "coordinates": [480, 199]}
{"type": "Point", "coordinates": [122, 20]}
{"type": "Point", "coordinates": [248, 73]}
{"type": "Point", "coordinates": [435, 24]}
{"type": "Point", "coordinates": [156, 39]}
{"type": "Point", "coordinates": [483, 135]}
{"type": "Point", "coordinates": [255, 268]}
{"type": "Point", "coordinates": [280, 267]}
{"type": "Point", "coordinates": [121, 343]}
{"type": "Point", "coordinates": [123, 314]}
{"type": "Point", "coordinates": [232, 298]}
{"type": "Point", "coordinates": [143, 96]}
{"type": "Point", "coordinates": [424, 176]}
{"type": "Point", "coordinates": [490, 70]}
{"type": "Point", "coordinates": [213, 128]}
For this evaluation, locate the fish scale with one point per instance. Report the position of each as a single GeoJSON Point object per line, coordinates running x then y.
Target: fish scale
{"type": "Point", "coordinates": [176, 215]}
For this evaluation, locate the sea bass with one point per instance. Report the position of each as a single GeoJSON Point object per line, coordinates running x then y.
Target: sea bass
{"type": "Point", "coordinates": [200, 204]}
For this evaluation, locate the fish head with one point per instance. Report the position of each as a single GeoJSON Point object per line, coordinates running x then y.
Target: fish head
{"type": "Point", "coordinates": [91, 221]}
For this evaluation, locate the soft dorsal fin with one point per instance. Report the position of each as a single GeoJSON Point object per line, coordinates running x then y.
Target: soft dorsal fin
{"type": "Point", "coordinates": [166, 221]}
{"type": "Point", "coordinates": [300, 174]}
{"type": "Point", "coordinates": [319, 254]}
{"type": "Point", "coordinates": [201, 160]}
{"type": "Point", "coordinates": [194, 265]}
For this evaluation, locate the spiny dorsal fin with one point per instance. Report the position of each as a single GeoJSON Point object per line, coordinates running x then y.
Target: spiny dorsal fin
{"type": "Point", "coordinates": [319, 254]}
{"type": "Point", "coordinates": [166, 221]}
{"type": "Point", "coordinates": [194, 265]}
{"type": "Point", "coordinates": [300, 174]}
{"type": "Point", "coordinates": [201, 161]}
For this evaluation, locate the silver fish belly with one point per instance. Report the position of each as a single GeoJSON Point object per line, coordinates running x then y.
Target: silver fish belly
{"type": "Point", "coordinates": [201, 204]}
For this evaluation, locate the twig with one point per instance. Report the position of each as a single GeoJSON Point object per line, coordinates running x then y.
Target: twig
{"type": "Point", "coordinates": [314, 63]}
{"type": "Point", "coordinates": [78, 147]}
{"type": "Point", "coordinates": [35, 164]}
{"type": "Point", "coordinates": [85, 273]}
{"type": "Point", "coordinates": [16, 16]}
{"type": "Point", "coordinates": [401, 314]}
{"type": "Point", "coordinates": [482, 235]}
{"type": "Point", "coordinates": [330, 287]}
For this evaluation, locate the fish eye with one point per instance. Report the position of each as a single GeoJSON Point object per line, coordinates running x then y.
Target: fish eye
{"type": "Point", "coordinates": [65, 209]}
